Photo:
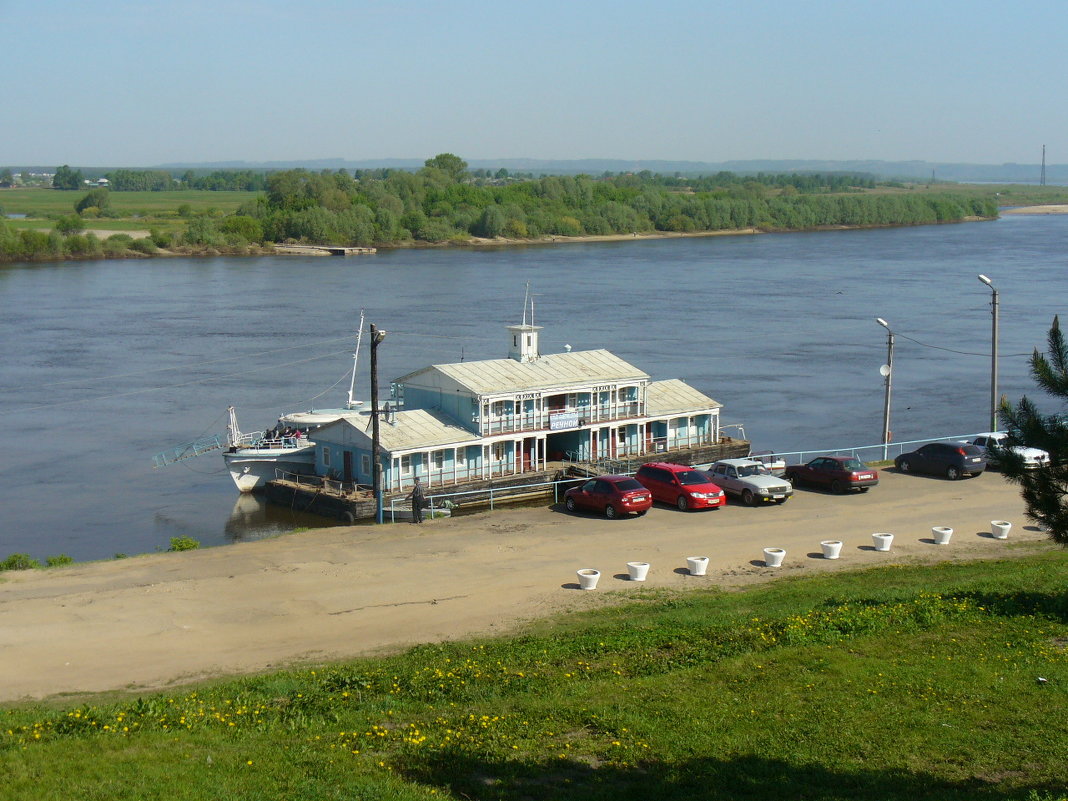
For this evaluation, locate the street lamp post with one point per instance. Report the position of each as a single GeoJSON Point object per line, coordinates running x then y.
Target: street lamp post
{"type": "Point", "coordinates": [993, 352]}
{"type": "Point", "coordinates": [887, 371]}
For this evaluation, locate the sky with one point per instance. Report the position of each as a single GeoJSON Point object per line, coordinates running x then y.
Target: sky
{"type": "Point", "coordinates": [146, 82]}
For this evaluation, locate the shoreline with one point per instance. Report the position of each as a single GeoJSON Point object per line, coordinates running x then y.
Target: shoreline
{"type": "Point", "coordinates": [1049, 208]}
{"type": "Point", "coordinates": [498, 242]}
{"type": "Point", "coordinates": [170, 619]}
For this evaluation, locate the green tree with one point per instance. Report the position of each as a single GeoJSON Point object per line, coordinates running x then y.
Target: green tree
{"type": "Point", "coordinates": [1045, 491]}
{"type": "Point", "coordinates": [453, 166]}
{"type": "Point", "coordinates": [66, 178]}
{"type": "Point", "coordinates": [72, 224]}
{"type": "Point", "coordinates": [6, 178]}
{"type": "Point", "coordinates": [100, 198]}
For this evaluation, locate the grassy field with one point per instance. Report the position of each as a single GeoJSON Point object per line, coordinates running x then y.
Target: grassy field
{"type": "Point", "coordinates": [50, 202]}
{"type": "Point", "coordinates": [138, 211]}
{"type": "Point", "coordinates": [1008, 194]}
{"type": "Point", "coordinates": [891, 683]}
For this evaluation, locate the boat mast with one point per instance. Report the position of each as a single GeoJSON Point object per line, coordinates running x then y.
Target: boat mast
{"type": "Point", "coordinates": [353, 403]}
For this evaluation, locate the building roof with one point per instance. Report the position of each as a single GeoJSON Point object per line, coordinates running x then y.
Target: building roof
{"type": "Point", "coordinates": [554, 370]}
{"type": "Point", "coordinates": [674, 395]}
{"type": "Point", "coordinates": [413, 428]}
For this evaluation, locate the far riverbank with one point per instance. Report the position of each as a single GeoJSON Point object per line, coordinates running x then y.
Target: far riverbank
{"type": "Point", "coordinates": [266, 249]}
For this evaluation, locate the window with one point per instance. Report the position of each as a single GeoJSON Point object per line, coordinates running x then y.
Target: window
{"type": "Point", "coordinates": [365, 463]}
{"type": "Point", "coordinates": [326, 456]}
{"type": "Point", "coordinates": [437, 460]}
{"type": "Point", "coordinates": [406, 465]}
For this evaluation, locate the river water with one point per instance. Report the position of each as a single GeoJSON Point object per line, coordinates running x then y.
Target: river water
{"type": "Point", "coordinates": [106, 363]}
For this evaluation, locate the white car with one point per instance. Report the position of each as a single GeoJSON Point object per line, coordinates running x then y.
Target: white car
{"type": "Point", "coordinates": [1033, 457]}
{"type": "Point", "coordinates": [750, 480]}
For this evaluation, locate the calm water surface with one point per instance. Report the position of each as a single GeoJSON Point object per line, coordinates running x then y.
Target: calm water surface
{"type": "Point", "coordinates": [106, 363]}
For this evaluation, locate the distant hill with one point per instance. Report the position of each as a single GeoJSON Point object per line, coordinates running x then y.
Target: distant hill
{"type": "Point", "coordinates": [904, 170]}
{"type": "Point", "coordinates": [887, 170]}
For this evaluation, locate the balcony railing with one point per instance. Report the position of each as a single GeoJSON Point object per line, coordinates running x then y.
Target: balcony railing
{"type": "Point", "coordinates": [539, 421]}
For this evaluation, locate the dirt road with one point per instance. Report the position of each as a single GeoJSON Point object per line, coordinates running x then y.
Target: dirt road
{"type": "Point", "coordinates": [161, 619]}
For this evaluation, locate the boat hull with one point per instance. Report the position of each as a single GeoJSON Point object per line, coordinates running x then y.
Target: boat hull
{"type": "Point", "coordinates": [251, 468]}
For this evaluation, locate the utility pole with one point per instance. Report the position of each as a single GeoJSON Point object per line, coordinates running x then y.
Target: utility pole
{"type": "Point", "coordinates": [1042, 180]}
{"type": "Point", "coordinates": [376, 446]}
{"type": "Point", "coordinates": [887, 371]}
{"type": "Point", "coordinates": [993, 352]}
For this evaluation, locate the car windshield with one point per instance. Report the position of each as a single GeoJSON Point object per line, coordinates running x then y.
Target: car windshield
{"type": "Point", "coordinates": [852, 465]}
{"type": "Point", "coordinates": [689, 477]}
{"type": "Point", "coordinates": [752, 470]}
{"type": "Point", "coordinates": [629, 484]}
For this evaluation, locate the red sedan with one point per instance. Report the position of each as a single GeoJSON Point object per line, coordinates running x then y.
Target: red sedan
{"type": "Point", "coordinates": [609, 495]}
{"type": "Point", "coordinates": [837, 473]}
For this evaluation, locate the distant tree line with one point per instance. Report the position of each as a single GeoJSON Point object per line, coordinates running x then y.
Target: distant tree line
{"type": "Point", "coordinates": [444, 203]}
{"type": "Point", "coordinates": [441, 204]}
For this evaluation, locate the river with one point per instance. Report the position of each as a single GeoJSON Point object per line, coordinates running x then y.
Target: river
{"type": "Point", "coordinates": [106, 363]}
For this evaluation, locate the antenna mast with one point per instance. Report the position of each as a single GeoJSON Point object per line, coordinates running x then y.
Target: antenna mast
{"type": "Point", "coordinates": [353, 403]}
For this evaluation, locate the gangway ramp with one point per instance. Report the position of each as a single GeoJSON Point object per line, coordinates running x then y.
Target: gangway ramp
{"type": "Point", "coordinates": [190, 450]}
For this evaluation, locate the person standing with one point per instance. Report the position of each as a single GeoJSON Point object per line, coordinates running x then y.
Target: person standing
{"type": "Point", "coordinates": [418, 500]}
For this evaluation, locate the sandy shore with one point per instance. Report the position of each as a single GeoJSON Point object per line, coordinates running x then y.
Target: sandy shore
{"type": "Point", "coordinates": [1048, 209]}
{"type": "Point", "coordinates": [163, 619]}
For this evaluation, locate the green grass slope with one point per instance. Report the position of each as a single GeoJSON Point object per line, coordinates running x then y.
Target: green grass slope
{"type": "Point", "coordinates": [947, 682]}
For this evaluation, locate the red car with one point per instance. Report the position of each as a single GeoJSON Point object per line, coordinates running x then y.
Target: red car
{"type": "Point", "coordinates": [681, 486]}
{"type": "Point", "coordinates": [837, 473]}
{"type": "Point", "coordinates": [610, 495]}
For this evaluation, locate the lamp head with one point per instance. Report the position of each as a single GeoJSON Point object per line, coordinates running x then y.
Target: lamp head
{"type": "Point", "coordinates": [883, 323]}
{"type": "Point", "coordinates": [984, 279]}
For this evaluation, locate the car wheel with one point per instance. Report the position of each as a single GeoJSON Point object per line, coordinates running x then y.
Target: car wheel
{"type": "Point", "coordinates": [904, 467]}
{"type": "Point", "coordinates": [683, 503]}
{"type": "Point", "coordinates": [748, 498]}
{"type": "Point", "coordinates": [952, 473]}
{"type": "Point", "coordinates": [570, 504]}
{"type": "Point", "coordinates": [794, 479]}
{"type": "Point", "coordinates": [610, 512]}
{"type": "Point", "coordinates": [837, 488]}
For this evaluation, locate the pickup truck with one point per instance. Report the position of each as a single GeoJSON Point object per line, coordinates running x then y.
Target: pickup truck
{"type": "Point", "coordinates": [750, 480]}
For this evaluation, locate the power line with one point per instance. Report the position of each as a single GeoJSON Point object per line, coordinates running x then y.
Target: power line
{"type": "Point", "coordinates": [951, 350]}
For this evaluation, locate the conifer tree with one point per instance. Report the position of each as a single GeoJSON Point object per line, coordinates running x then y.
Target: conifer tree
{"type": "Point", "coordinates": [1045, 490]}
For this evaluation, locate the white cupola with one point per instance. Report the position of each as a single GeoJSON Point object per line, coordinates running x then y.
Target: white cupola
{"type": "Point", "coordinates": [523, 342]}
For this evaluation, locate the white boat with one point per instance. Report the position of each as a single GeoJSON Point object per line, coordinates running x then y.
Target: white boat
{"type": "Point", "coordinates": [254, 459]}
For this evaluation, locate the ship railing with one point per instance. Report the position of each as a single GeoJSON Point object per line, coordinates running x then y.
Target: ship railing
{"type": "Point", "coordinates": [257, 441]}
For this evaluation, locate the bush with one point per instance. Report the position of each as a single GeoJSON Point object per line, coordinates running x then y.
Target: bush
{"type": "Point", "coordinates": [146, 246]}
{"type": "Point", "coordinates": [117, 244]}
{"type": "Point", "coordinates": [87, 245]}
{"type": "Point", "coordinates": [19, 561]}
{"type": "Point", "coordinates": [59, 561]}
{"type": "Point", "coordinates": [160, 238]}
{"type": "Point", "coordinates": [183, 544]}
{"type": "Point", "coordinates": [72, 224]}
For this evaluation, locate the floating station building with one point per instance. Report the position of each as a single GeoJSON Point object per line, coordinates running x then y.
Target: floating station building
{"type": "Point", "coordinates": [481, 421]}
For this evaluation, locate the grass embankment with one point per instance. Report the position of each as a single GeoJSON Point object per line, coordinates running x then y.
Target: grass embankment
{"type": "Point", "coordinates": [892, 683]}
